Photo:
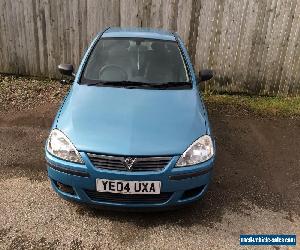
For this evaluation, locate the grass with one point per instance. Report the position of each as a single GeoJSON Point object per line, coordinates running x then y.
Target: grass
{"type": "Point", "coordinates": [288, 106]}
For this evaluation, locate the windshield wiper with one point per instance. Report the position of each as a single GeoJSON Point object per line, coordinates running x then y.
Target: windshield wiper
{"type": "Point", "coordinates": [171, 85]}
{"type": "Point", "coordinates": [134, 84]}
{"type": "Point", "coordinates": [113, 83]}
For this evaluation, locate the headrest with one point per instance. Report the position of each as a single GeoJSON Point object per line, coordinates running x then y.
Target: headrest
{"type": "Point", "coordinates": [158, 46]}
{"type": "Point", "coordinates": [122, 44]}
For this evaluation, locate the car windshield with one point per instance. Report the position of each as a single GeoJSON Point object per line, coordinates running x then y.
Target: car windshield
{"type": "Point", "coordinates": [136, 61]}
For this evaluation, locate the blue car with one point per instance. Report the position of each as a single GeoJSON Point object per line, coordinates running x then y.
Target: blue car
{"type": "Point", "coordinates": [133, 130]}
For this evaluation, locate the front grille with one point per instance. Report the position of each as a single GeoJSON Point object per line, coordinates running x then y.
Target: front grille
{"type": "Point", "coordinates": [119, 162]}
{"type": "Point", "coordinates": [129, 198]}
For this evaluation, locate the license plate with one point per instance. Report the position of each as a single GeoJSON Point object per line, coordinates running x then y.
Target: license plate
{"type": "Point", "coordinates": [128, 187]}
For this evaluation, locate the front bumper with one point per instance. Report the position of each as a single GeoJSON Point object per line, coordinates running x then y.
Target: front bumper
{"type": "Point", "coordinates": [179, 186]}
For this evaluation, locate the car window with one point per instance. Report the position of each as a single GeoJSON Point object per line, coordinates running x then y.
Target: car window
{"type": "Point", "coordinates": [136, 60]}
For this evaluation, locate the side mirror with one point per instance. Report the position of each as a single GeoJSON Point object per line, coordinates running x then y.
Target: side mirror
{"type": "Point", "coordinates": [205, 75]}
{"type": "Point", "coordinates": [66, 69]}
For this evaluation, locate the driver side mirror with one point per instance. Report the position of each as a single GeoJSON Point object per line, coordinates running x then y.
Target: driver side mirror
{"type": "Point", "coordinates": [68, 70]}
{"type": "Point", "coordinates": [205, 75]}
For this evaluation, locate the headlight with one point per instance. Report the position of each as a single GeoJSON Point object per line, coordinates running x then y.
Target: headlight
{"type": "Point", "coordinates": [60, 146]}
{"type": "Point", "coordinates": [201, 150]}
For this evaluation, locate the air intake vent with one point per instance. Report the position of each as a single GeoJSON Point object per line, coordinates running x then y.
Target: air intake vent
{"type": "Point", "coordinates": [129, 198]}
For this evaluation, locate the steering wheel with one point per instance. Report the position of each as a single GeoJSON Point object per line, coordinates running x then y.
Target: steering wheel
{"type": "Point", "coordinates": [112, 71]}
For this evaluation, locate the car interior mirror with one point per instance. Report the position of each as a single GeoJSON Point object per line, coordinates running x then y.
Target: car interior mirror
{"type": "Point", "coordinates": [67, 70]}
{"type": "Point", "coordinates": [205, 75]}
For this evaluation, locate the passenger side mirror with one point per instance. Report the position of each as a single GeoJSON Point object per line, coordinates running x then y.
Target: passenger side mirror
{"type": "Point", "coordinates": [205, 75]}
{"type": "Point", "coordinates": [68, 70]}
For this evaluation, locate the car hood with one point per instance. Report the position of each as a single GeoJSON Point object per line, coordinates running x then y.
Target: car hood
{"type": "Point", "coordinates": [124, 121]}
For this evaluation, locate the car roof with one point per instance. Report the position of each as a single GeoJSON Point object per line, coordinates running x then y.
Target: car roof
{"type": "Point", "coordinates": [139, 32]}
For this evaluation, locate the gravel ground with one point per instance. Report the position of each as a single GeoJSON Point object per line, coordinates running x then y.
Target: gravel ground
{"type": "Point", "coordinates": [255, 189]}
{"type": "Point", "coordinates": [19, 93]}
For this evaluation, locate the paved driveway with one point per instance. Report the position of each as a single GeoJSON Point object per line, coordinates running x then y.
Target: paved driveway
{"type": "Point", "coordinates": [256, 189]}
